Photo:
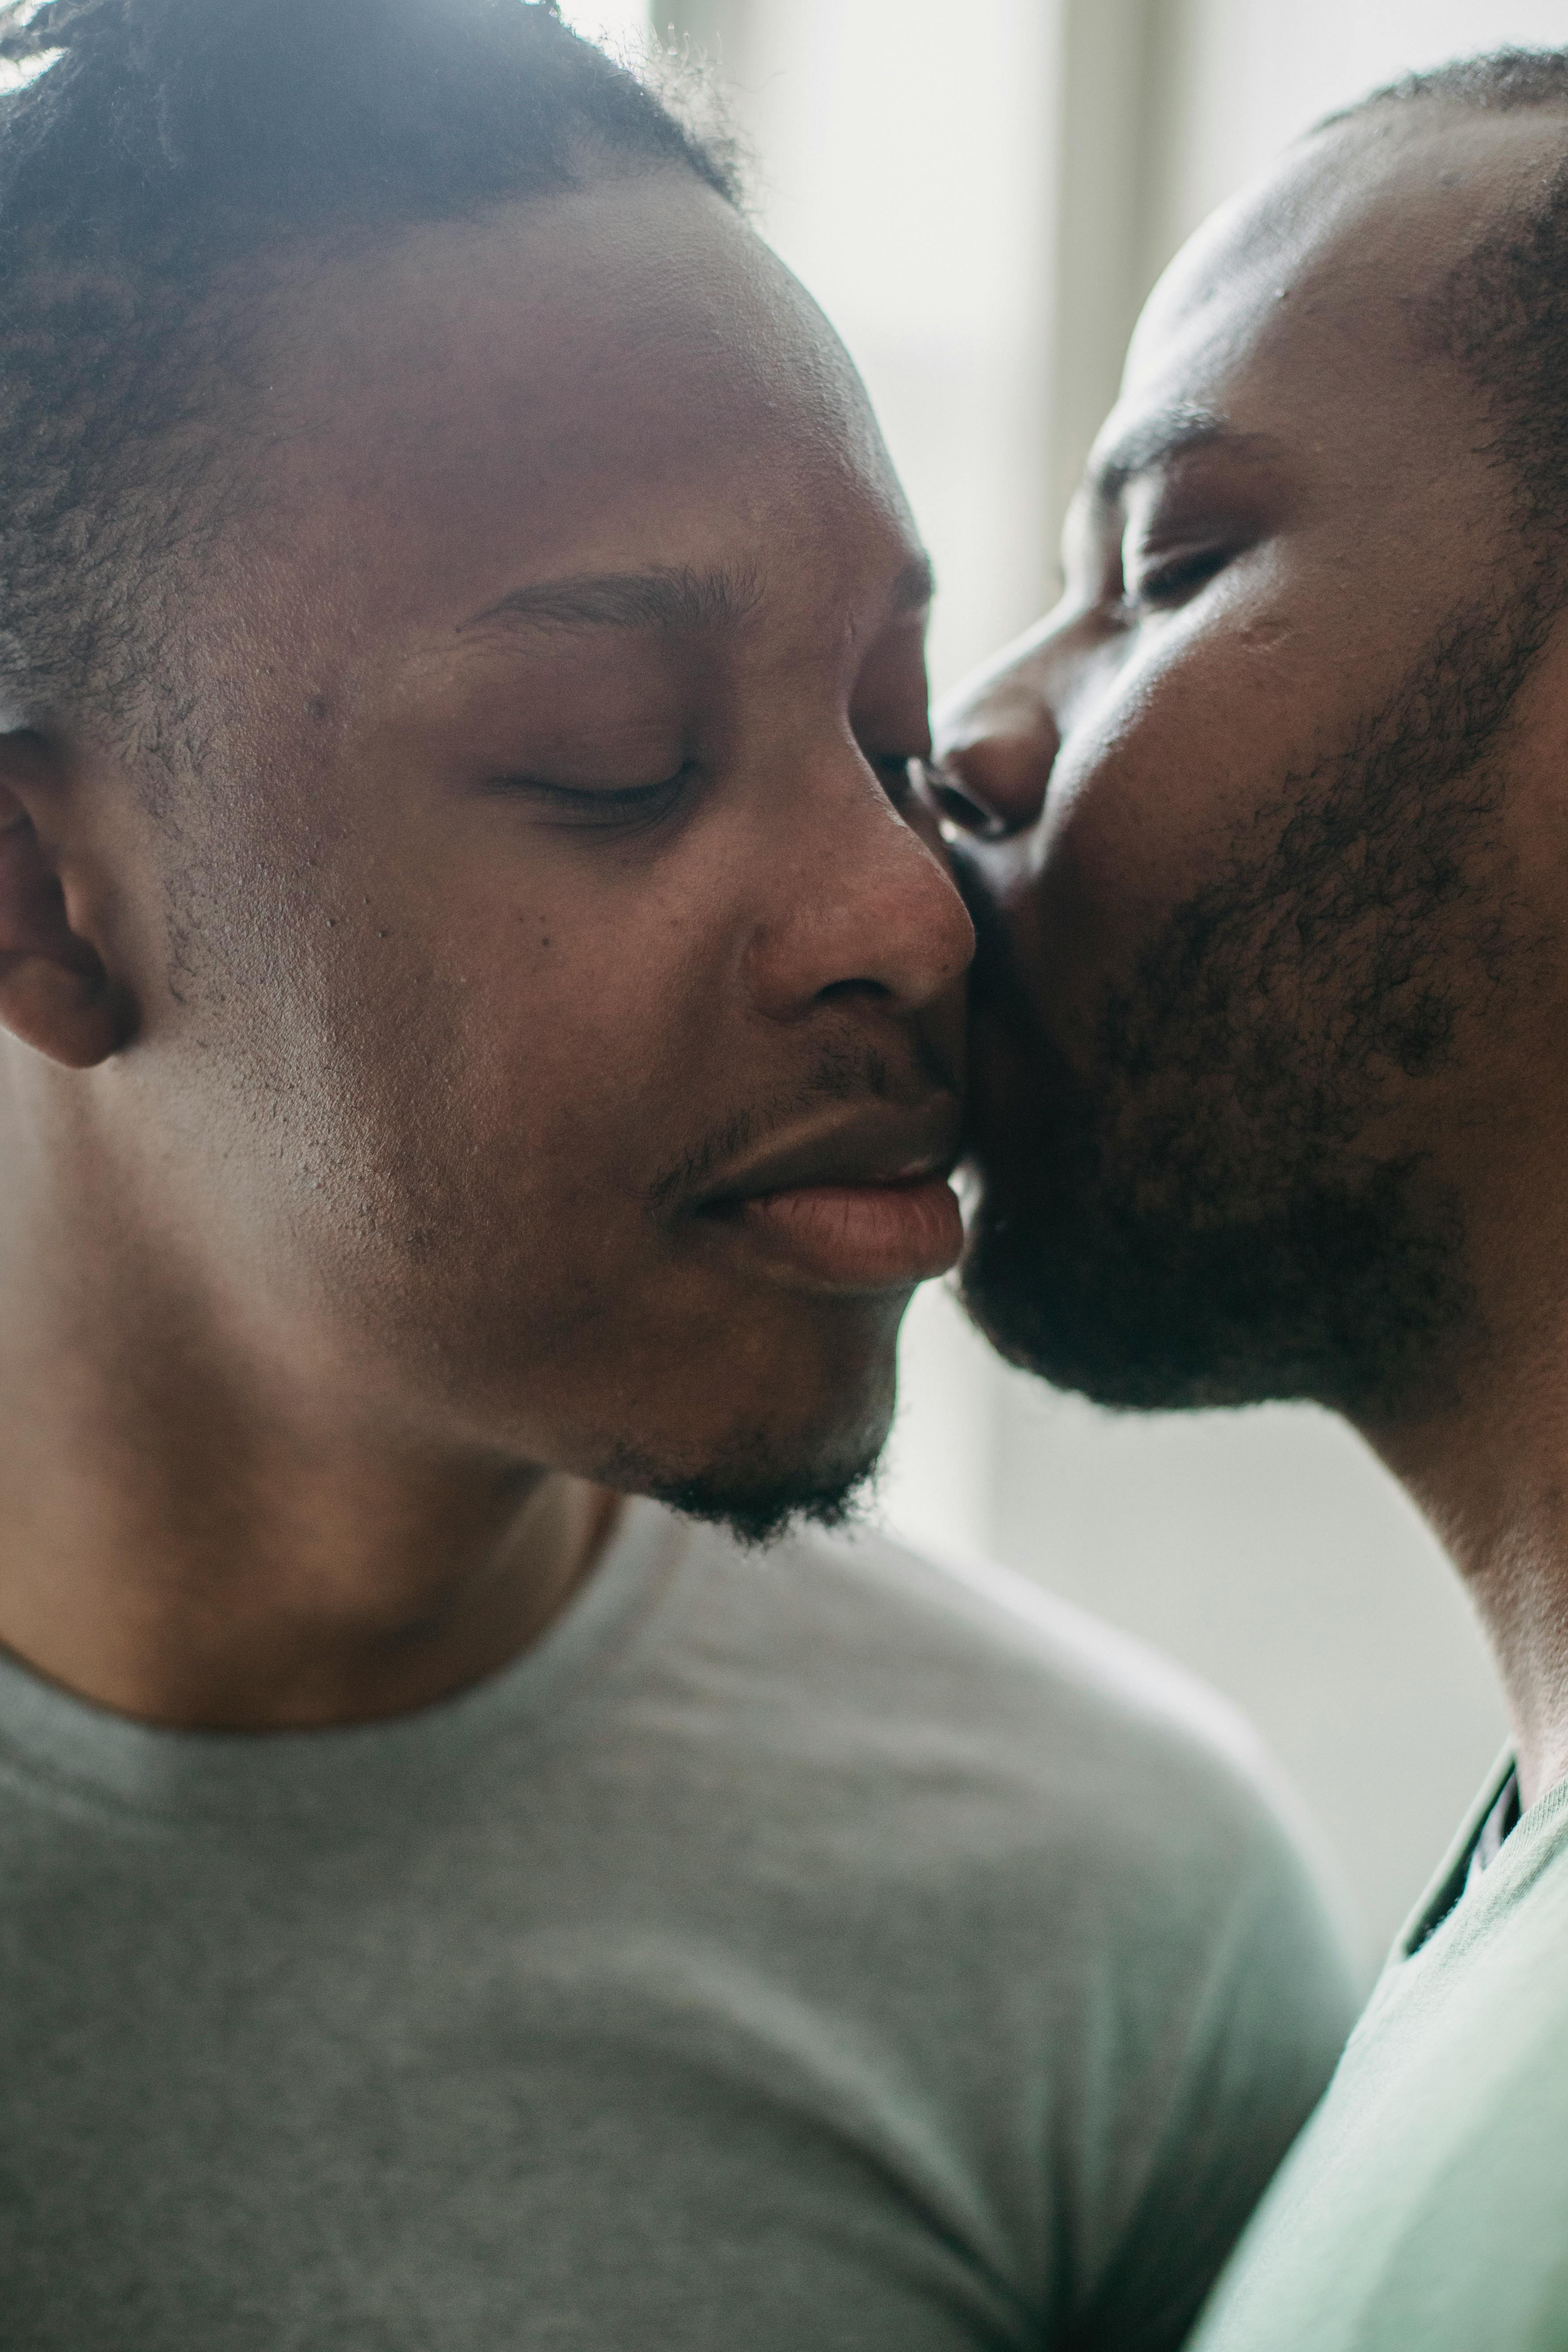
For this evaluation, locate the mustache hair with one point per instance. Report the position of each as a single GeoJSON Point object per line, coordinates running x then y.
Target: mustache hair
{"type": "Point", "coordinates": [843, 1075]}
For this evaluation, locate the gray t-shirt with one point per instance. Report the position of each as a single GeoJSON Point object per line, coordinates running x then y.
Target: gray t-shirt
{"type": "Point", "coordinates": [814, 1950]}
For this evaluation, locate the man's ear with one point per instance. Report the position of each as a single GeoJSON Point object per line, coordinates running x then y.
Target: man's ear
{"type": "Point", "coordinates": [55, 994]}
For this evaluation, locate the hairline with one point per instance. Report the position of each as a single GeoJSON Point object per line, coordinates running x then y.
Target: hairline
{"type": "Point", "coordinates": [189, 469]}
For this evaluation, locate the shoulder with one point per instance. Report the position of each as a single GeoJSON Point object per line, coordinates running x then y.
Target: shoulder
{"type": "Point", "coordinates": [1108, 1841]}
{"type": "Point", "coordinates": [1424, 2203]}
{"type": "Point", "coordinates": [1141, 1780]}
{"type": "Point", "coordinates": [1063, 1849]}
{"type": "Point", "coordinates": [1058, 1681]}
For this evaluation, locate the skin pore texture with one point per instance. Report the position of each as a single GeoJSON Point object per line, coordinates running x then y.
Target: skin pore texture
{"type": "Point", "coordinates": [1266, 832]}
{"type": "Point", "coordinates": [482, 1033]}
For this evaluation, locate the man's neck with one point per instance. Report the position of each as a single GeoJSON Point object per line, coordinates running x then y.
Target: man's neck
{"type": "Point", "coordinates": [1491, 1474]}
{"type": "Point", "coordinates": [199, 1530]}
{"type": "Point", "coordinates": [311, 1593]}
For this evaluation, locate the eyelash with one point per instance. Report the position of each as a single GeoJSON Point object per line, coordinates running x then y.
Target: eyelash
{"type": "Point", "coordinates": [1167, 581]}
{"type": "Point", "coordinates": [632, 808]}
{"type": "Point", "coordinates": [622, 808]}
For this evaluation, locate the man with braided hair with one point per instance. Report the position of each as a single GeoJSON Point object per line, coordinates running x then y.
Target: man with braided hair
{"type": "Point", "coordinates": [480, 1036]}
{"type": "Point", "coordinates": [1267, 839]}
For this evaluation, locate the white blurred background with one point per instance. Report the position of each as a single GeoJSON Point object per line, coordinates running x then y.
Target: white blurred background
{"type": "Point", "coordinates": [981, 193]}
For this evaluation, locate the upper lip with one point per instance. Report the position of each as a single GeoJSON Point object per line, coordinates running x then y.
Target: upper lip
{"type": "Point", "coordinates": [885, 1144]}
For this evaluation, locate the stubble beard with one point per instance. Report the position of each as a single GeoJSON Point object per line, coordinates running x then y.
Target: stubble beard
{"type": "Point", "coordinates": [1201, 1216]}
{"type": "Point", "coordinates": [762, 1490]}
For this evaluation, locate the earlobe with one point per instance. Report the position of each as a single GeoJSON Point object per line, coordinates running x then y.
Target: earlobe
{"type": "Point", "coordinates": [54, 993]}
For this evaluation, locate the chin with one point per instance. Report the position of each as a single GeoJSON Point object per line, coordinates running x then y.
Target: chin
{"type": "Point", "coordinates": [760, 1481]}
{"type": "Point", "coordinates": [759, 1513]}
{"type": "Point", "coordinates": [1351, 1295]}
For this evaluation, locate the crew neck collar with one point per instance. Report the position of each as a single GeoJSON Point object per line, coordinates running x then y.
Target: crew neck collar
{"type": "Point", "coordinates": [1457, 1902]}
{"type": "Point", "coordinates": [342, 1774]}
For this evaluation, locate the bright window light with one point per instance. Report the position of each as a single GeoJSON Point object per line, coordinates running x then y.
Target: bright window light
{"type": "Point", "coordinates": [16, 73]}
{"type": "Point", "coordinates": [613, 24]}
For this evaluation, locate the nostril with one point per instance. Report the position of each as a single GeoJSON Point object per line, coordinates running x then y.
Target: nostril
{"type": "Point", "coordinates": [837, 990]}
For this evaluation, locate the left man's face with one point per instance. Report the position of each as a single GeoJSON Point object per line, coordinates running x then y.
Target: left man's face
{"type": "Point", "coordinates": [1254, 822]}
{"type": "Point", "coordinates": [551, 1025]}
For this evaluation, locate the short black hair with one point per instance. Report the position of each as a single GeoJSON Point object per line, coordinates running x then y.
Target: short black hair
{"type": "Point", "coordinates": [147, 147]}
{"type": "Point", "coordinates": [1502, 310]}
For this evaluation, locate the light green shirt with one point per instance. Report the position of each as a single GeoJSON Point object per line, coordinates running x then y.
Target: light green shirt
{"type": "Point", "coordinates": [1424, 2208]}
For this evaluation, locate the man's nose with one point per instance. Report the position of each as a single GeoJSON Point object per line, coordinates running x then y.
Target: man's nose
{"type": "Point", "coordinates": [996, 743]}
{"type": "Point", "coordinates": [863, 907]}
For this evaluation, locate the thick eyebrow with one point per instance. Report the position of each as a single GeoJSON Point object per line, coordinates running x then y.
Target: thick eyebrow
{"type": "Point", "coordinates": [667, 597]}
{"type": "Point", "coordinates": [672, 598]}
{"type": "Point", "coordinates": [1168, 433]}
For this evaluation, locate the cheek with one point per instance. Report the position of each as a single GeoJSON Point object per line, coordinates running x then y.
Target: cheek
{"type": "Point", "coordinates": [502, 1075]}
{"type": "Point", "coordinates": [1151, 802]}
{"type": "Point", "coordinates": [524, 1079]}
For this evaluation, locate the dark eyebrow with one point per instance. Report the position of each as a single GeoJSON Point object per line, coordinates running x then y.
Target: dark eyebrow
{"type": "Point", "coordinates": [671, 598]}
{"type": "Point", "coordinates": [1154, 440]}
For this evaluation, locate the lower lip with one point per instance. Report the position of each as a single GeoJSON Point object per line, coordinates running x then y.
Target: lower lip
{"type": "Point", "coordinates": [858, 1236]}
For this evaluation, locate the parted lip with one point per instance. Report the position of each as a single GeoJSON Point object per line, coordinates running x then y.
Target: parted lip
{"type": "Point", "coordinates": [885, 1143]}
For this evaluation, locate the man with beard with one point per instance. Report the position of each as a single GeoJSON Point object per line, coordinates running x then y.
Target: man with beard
{"type": "Point", "coordinates": [1267, 832]}
{"type": "Point", "coordinates": [479, 1039]}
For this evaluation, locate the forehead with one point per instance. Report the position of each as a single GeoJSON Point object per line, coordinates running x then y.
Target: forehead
{"type": "Point", "coordinates": [564, 384]}
{"type": "Point", "coordinates": [1299, 307]}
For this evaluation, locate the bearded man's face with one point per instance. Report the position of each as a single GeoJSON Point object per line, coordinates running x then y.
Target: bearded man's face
{"type": "Point", "coordinates": [1252, 825]}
